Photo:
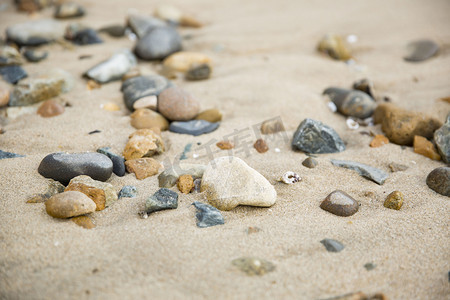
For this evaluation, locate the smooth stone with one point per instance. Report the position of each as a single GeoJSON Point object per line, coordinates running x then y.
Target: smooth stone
{"type": "Point", "coordinates": [366, 86]}
{"type": "Point", "coordinates": [439, 181]}
{"type": "Point", "coordinates": [332, 245]}
{"type": "Point", "coordinates": [150, 102]}
{"type": "Point", "coordinates": [68, 10]}
{"type": "Point", "coordinates": [394, 200]}
{"type": "Point", "coordinates": [340, 203]}
{"type": "Point", "coordinates": [211, 115]}
{"type": "Point", "coordinates": [228, 182]}
{"type": "Point", "coordinates": [168, 12]}
{"type": "Point", "coordinates": [182, 61]}
{"type": "Point", "coordinates": [134, 72]}
{"type": "Point", "coordinates": [4, 154]}
{"type": "Point", "coordinates": [194, 127]}
{"type": "Point", "coordinates": [177, 105]}
{"type": "Point", "coordinates": [207, 215]}
{"type": "Point", "coordinates": [35, 55]}
{"type": "Point", "coordinates": [400, 126]}
{"type": "Point", "coordinates": [65, 166]}
{"type": "Point", "coordinates": [143, 167]}
{"type": "Point", "coordinates": [378, 141]}
{"type": "Point", "coordinates": [13, 74]}
{"type": "Point", "coordinates": [69, 204]}
{"type": "Point", "coordinates": [374, 174]}
{"type": "Point", "coordinates": [310, 162]}
{"type": "Point", "coordinates": [442, 140]}
{"type": "Point", "coordinates": [143, 143]}
{"type": "Point", "coordinates": [421, 50]}
{"type": "Point", "coordinates": [113, 30]}
{"type": "Point", "coordinates": [146, 118]}
{"type": "Point", "coordinates": [253, 266]}
{"type": "Point", "coordinates": [19, 111]}
{"type": "Point", "coordinates": [425, 147]}
{"type": "Point", "coordinates": [168, 178]}
{"type": "Point", "coordinates": [72, 30]}
{"type": "Point", "coordinates": [161, 200]}
{"type": "Point", "coordinates": [395, 167]}
{"type": "Point", "coordinates": [83, 221]}
{"type": "Point", "coordinates": [369, 267]}
{"type": "Point", "coordinates": [225, 145]}
{"type": "Point", "coordinates": [102, 193]}
{"type": "Point", "coordinates": [50, 108]}
{"type": "Point", "coordinates": [53, 188]}
{"type": "Point", "coordinates": [185, 183]}
{"type": "Point", "coordinates": [117, 160]}
{"type": "Point", "coordinates": [334, 46]}
{"type": "Point", "coordinates": [138, 87]}
{"type": "Point", "coordinates": [351, 103]}
{"type": "Point", "coordinates": [272, 126]}
{"type": "Point", "coordinates": [199, 72]}
{"type": "Point", "coordinates": [141, 24]}
{"type": "Point", "coordinates": [34, 33]}
{"type": "Point", "coordinates": [9, 56]}
{"type": "Point", "coordinates": [128, 191]}
{"type": "Point", "coordinates": [315, 137]}
{"type": "Point", "coordinates": [113, 68]}
{"type": "Point", "coordinates": [86, 36]}
{"type": "Point", "coordinates": [261, 146]}
{"type": "Point", "coordinates": [158, 43]}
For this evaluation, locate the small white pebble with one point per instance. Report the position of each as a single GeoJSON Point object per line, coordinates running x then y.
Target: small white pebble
{"type": "Point", "coordinates": [413, 162]}
{"type": "Point", "coordinates": [277, 150]}
{"type": "Point", "coordinates": [131, 35]}
{"type": "Point", "coordinates": [332, 106]}
{"type": "Point", "coordinates": [352, 124]}
{"type": "Point", "coordinates": [350, 62]}
{"type": "Point", "coordinates": [195, 155]}
{"type": "Point", "coordinates": [56, 244]}
{"type": "Point", "coordinates": [352, 38]}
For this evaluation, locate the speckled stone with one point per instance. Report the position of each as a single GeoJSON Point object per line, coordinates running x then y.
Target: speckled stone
{"type": "Point", "coordinates": [351, 103]}
{"type": "Point", "coordinates": [158, 43]}
{"type": "Point", "coordinates": [207, 215]}
{"type": "Point", "coordinates": [4, 154]}
{"type": "Point", "coordinates": [340, 203]}
{"type": "Point", "coordinates": [178, 105]}
{"type": "Point", "coordinates": [442, 140]}
{"type": "Point", "coordinates": [253, 266]}
{"type": "Point", "coordinates": [69, 204]}
{"type": "Point", "coordinates": [128, 191]}
{"type": "Point", "coordinates": [332, 245]}
{"type": "Point", "coordinates": [185, 183]}
{"type": "Point", "coordinates": [394, 200]}
{"type": "Point", "coordinates": [143, 143]}
{"type": "Point", "coordinates": [161, 200]}
{"type": "Point", "coordinates": [50, 108]}
{"type": "Point", "coordinates": [117, 160]}
{"type": "Point", "coordinates": [439, 180]}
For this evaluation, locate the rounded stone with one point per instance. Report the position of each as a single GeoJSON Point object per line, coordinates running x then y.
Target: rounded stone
{"type": "Point", "coordinates": [199, 72]}
{"type": "Point", "coordinates": [185, 183]}
{"type": "Point", "coordinates": [183, 61]}
{"type": "Point", "coordinates": [351, 103]}
{"type": "Point", "coordinates": [139, 87]}
{"type": "Point", "coordinates": [340, 203]}
{"type": "Point", "coordinates": [150, 102]}
{"type": "Point", "coordinates": [33, 55]}
{"type": "Point", "coordinates": [50, 108]}
{"type": "Point", "coordinates": [69, 204]}
{"type": "Point", "coordinates": [147, 118]}
{"type": "Point", "coordinates": [178, 105]}
{"type": "Point", "coordinates": [65, 166]}
{"type": "Point", "coordinates": [310, 162]}
{"type": "Point", "coordinates": [68, 10]}
{"type": "Point", "coordinates": [35, 32]}
{"type": "Point", "coordinates": [212, 115]}
{"type": "Point", "coordinates": [194, 127]}
{"type": "Point", "coordinates": [439, 180]}
{"type": "Point", "coordinates": [334, 46]}
{"type": "Point", "coordinates": [261, 146]}
{"type": "Point", "coordinates": [158, 43]}
{"type": "Point", "coordinates": [421, 50]}
{"type": "Point", "coordinates": [394, 200]}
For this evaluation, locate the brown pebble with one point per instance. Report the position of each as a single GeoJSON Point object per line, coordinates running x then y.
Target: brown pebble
{"type": "Point", "coordinates": [69, 204]}
{"type": "Point", "coordinates": [185, 183]}
{"type": "Point", "coordinates": [310, 163]}
{"type": "Point", "coordinates": [445, 99]}
{"type": "Point", "coordinates": [177, 105]}
{"type": "Point", "coordinates": [426, 148]}
{"type": "Point", "coordinates": [340, 203]}
{"type": "Point", "coordinates": [147, 118]}
{"type": "Point", "coordinates": [143, 167]}
{"type": "Point", "coordinates": [188, 21]}
{"type": "Point", "coordinates": [92, 85]}
{"type": "Point", "coordinates": [395, 167]}
{"type": "Point", "coordinates": [4, 97]}
{"type": "Point", "coordinates": [261, 146]}
{"type": "Point", "coordinates": [394, 200]}
{"type": "Point", "coordinates": [211, 115]}
{"type": "Point", "coordinates": [378, 141]}
{"type": "Point", "coordinates": [225, 145]}
{"type": "Point", "coordinates": [50, 108]}
{"type": "Point", "coordinates": [111, 107]}
{"type": "Point", "coordinates": [272, 126]}
{"type": "Point", "coordinates": [83, 221]}
{"type": "Point", "coordinates": [39, 198]}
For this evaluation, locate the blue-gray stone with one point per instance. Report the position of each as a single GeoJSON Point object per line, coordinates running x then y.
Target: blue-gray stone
{"type": "Point", "coordinates": [207, 215]}
{"type": "Point", "coordinates": [162, 199]}
{"type": "Point", "coordinates": [332, 245]}
{"type": "Point", "coordinates": [158, 43]}
{"type": "Point", "coordinates": [194, 127]}
{"type": "Point", "coordinates": [12, 74]}
{"type": "Point", "coordinates": [351, 103]}
{"type": "Point", "coordinates": [374, 174]}
{"type": "Point", "coordinates": [187, 148]}
{"type": "Point", "coordinates": [442, 140]}
{"type": "Point", "coordinates": [141, 24]}
{"type": "Point", "coordinates": [128, 191]}
{"type": "Point", "coordinates": [65, 166]}
{"type": "Point", "coordinates": [138, 87]}
{"type": "Point", "coordinates": [117, 160]}
{"type": "Point", "coordinates": [315, 137]}
{"type": "Point", "coordinates": [421, 50]}
{"type": "Point", "coordinates": [4, 154]}
{"type": "Point", "coordinates": [87, 37]}
{"type": "Point", "coordinates": [34, 55]}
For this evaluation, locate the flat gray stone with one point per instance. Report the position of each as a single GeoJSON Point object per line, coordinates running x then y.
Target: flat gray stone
{"type": "Point", "coordinates": [194, 127]}
{"type": "Point", "coordinates": [421, 50]}
{"type": "Point", "coordinates": [12, 74]}
{"type": "Point", "coordinates": [158, 43]}
{"type": "Point", "coordinates": [138, 87]}
{"type": "Point", "coordinates": [207, 215]}
{"type": "Point", "coordinates": [35, 33]}
{"type": "Point", "coordinates": [128, 191]}
{"type": "Point", "coordinates": [374, 174]}
{"type": "Point", "coordinates": [332, 245]}
{"type": "Point", "coordinates": [141, 24]}
{"type": "Point", "coordinates": [4, 154]}
{"type": "Point", "coordinates": [114, 68]}
{"type": "Point", "coordinates": [162, 199]}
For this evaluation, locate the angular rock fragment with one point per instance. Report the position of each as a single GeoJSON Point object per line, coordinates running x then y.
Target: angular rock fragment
{"type": "Point", "coordinates": [207, 215]}
{"type": "Point", "coordinates": [161, 200]}
{"type": "Point", "coordinates": [374, 174]}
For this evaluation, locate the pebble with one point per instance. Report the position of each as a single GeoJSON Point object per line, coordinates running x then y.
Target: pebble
{"type": "Point", "coordinates": [261, 146]}
{"type": "Point", "coordinates": [395, 167]}
{"type": "Point", "coordinates": [69, 204]}
{"type": "Point", "coordinates": [50, 108]}
{"type": "Point", "coordinates": [186, 149]}
{"type": "Point", "coordinates": [145, 118]}
{"type": "Point", "coordinates": [315, 137]}
{"type": "Point", "coordinates": [34, 33]}
{"type": "Point", "coordinates": [13, 74]}
{"type": "Point", "coordinates": [9, 56]}
{"type": "Point", "coordinates": [207, 215]}
{"type": "Point", "coordinates": [225, 145]}
{"type": "Point", "coordinates": [369, 267]}
{"type": "Point", "coordinates": [113, 30]}
{"type": "Point", "coordinates": [143, 143]}
{"type": "Point", "coordinates": [113, 68]}
{"type": "Point", "coordinates": [211, 115]}
{"type": "Point", "coordinates": [378, 141]}
{"type": "Point", "coordinates": [185, 183]}
{"type": "Point", "coordinates": [310, 162]}
{"type": "Point", "coordinates": [182, 61]}
{"type": "Point", "coordinates": [177, 105]}
{"type": "Point", "coordinates": [394, 200]}
{"type": "Point", "coordinates": [253, 266]}
{"type": "Point", "coordinates": [442, 140]}
{"type": "Point", "coordinates": [143, 167]}
{"type": "Point", "coordinates": [4, 97]}
{"type": "Point", "coordinates": [117, 160]}
{"type": "Point", "coordinates": [197, 185]}
{"type": "Point", "coordinates": [92, 85]}
{"type": "Point", "coordinates": [86, 36]}
{"type": "Point", "coordinates": [272, 126]}
{"type": "Point", "coordinates": [158, 43]}
{"type": "Point", "coordinates": [290, 177]}
{"type": "Point", "coordinates": [168, 12]}
{"type": "Point", "coordinates": [150, 102]}
{"type": "Point", "coordinates": [340, 203]}
{"type": "Point", "coordinates": [199, 72]}
{"type": "Point", "coordinates": [68, 10]}
{"type": "Point", "coordinates": [168, 178]}
{"type": "Point", "coordinates": [252, 229]}
{"type": "Point", "coordinates": [4, 154]}
{"type": "Point", "coordinates": [332, 245]}
{"type": "Point", "coordinates": [134, 72]}
{"type": "Point", "coordinates": [425, 147]}
{"type": "Point", "coordinates": [53, 188]}
{"type": "Point", "coordinates": [83, 221]}
{"type": "Point", "coordinates": [229, 182]}
{"type": "Point", "coordinates": [194, 127]}
{"type": "Point", "coordinates": [366, 86]}
{"type": "Point", "coordinates": [421, 50]}
{"type": "Point", "coordinates": [65, 166]}
{"type": "Point", "coordinates": [128, 191]}
{"type": "Point", "coordinates": [102, 193]}
{"type": "Point", "coordinates": [138, 87]}
{"type": "Point", "coordinates": [72, 29]}
{"type": "Point", "coordinates": [141, 24]}
{"type": "Point", "coordinates": [351, 103]}
{"type": "Point", "coordinates": [161, 200]}
{"type": "Point", "coordinates": [400, 126]}
{"type": "Point", "coordinates": [335, 47]}
{"type": "Point", "coordinates": [439, 180]}
{"type": "Point", "coordinates": [374, 174]}
{"type": "Point", "coordinates": [33, 55]}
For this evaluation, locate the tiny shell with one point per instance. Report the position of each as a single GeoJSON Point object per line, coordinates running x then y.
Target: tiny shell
{"type": "Point", "coordinates": [290, 177]}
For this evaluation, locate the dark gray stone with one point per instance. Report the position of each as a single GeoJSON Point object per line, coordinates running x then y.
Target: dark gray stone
{"type": "Point", "coordinates": [310, 163]}
{"type": "Point", "coordinates": [158, 43]}
{"type": "Point", "coordinates": [113, 68]}
{"type": "Point", "coordinates": [86, 37]}
{"type": "Point", "coordinates": [332, 245]}
{"type": "Point", "coordinates": [194, 127]}
{"type": "Point", "coordinates": [442, 140]}
{"type": "Point", "coordinates": [439, 180]}
{"type": "Point", "coordinates": [4, 154]}
{"type": "Point", "coordinates": [140, 24]}
{"type": "Point", "coordinates": [69, 10]}
{"type": "Point", "coordinates": [35, 33]}
{"type": "Point", "coordinates": [34, 55]}
{"type": "Point", "coordinates": [12, 74]}
{"type": "Point", "coordinates": [374, 174]}
{"type": "Point", "coordinates": [162, 199]}
{"type": "Point", "coordinates": [117, 160]}
{"type": "Point", "coordinates": [421, 50]}
{"type": "Point", "coordinates": [198, 72]}
{"type": "Point", "coordinates": [370, 266]}
{"type": "Point", "coordinates": [65, 166]}
{"type": "Point", "coordinates": [207, 215]}
{"type": "Point", "coordinates": [351, 103]}
{"type": "Point", "coordinates": [113, 30]}
{"type": "Point", "coordinates": [340, 204]}
{"type": "Point", "coordinates": [128, 191]}
{"type": "Point", "coordinates": [315, 137]}
{"type": "Point", "coordinates": [138, 87]}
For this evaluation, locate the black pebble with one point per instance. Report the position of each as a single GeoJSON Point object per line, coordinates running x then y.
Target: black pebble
{"type": "Point", "coordinates": [117, 160]}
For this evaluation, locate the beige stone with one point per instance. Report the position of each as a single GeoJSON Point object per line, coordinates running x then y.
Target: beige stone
{"type": "Point", "coordinates": [146, 118]}
{"type": "Point", "coordinates": [182, 61]}
{"type": "Point", "coordinates": [150, 102]}
{"type": "Point", "coordinates": [143, 143]}
{"type": "Point", "coordinates": [211, 115]}
{"type": "Point", "coordinates": [185, 183]}
{"type": "Point", "coordinates": [143, 167]}
{"type": "Point", "coordinates": [4, 97]}
{"type": "Point", "coordinates": [178, 105]}
{"type": "Point", "coordinates": [69, 204]}
{"type": "Point", "coordinates": [426, 148]}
